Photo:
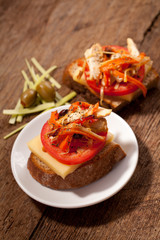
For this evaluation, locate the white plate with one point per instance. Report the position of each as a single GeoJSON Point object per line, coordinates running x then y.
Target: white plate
{"type": "Point", "coordinates": [85, 196]}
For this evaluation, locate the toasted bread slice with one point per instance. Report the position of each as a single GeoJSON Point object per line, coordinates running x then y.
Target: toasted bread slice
{"type": "Point", "coordinates": [116, 103]}
{"type": "Point", "coordinates": [87, 173]}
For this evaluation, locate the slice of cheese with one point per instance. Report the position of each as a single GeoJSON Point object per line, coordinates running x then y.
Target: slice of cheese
{"type": "Point", "coordinates": [128, 97]}
{"type": "Point", "coordinates": [110, 138]}
{"type": "Point", "coordinates": [60, 169]}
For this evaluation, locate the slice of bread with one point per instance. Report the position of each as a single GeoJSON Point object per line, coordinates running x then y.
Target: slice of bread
{"type": "Point", "coordinates": [151, 81]}
{"type": "Point", "coordinates": [87, 173]}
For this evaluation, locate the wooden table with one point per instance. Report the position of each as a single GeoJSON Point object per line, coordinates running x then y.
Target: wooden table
{"type": "Point", "coordinates": [57, 32]}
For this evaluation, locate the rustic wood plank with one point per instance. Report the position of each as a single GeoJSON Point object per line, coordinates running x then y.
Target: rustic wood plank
{"type": "Point", "coordinates": [56, 33]}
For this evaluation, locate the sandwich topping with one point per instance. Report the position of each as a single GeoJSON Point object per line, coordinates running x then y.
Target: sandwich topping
{"type": "Point", "coordinates": [77, 134]}
{"type": "Point", "coordinates": [114, 70]}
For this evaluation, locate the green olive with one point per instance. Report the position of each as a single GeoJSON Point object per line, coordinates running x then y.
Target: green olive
{"type": "Point", "coordinates": [46, 91]}
{"type": "Point", "coordinates": [28, 97]}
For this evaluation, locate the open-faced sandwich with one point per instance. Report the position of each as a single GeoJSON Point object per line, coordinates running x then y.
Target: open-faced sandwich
{"type": "Point", "coordinates": [115, 75]}
{"type": "Point", "coordinates": [74, 148]}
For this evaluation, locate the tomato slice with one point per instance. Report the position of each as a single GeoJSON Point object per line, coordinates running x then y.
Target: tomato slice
{"type": "Point", "coordinates": [124, 87]}
{"type": "Point", "coordinates": [81, 150]}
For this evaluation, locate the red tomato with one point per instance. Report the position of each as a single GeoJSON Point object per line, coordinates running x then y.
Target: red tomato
{"type": "Point", "coordinates": [81, 150]}
{"type": "Point", "coordinates": [124, 88]}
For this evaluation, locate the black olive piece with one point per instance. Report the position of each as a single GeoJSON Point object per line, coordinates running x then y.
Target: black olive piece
{"type": "Point", "coordinates": [77, 136]}
{"type": "Point", "coordinates": [63, 113]}
{"type": "Point", "coordinates": [108, 49]}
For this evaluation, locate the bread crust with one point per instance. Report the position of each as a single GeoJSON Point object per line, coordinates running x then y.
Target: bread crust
{"type": "Point", "coordinates": [87, 173]}
{"type": "Point", "coordinates": [151, 81]}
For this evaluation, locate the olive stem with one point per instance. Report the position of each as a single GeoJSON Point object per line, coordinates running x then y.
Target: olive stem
{"type": "Point", "coordinates": [43, 71]}
{"type": "Point", "coordinates": [31, 70]}
{"type": "Point", "coordinates": [18, 118]}
{"type": "Point", "coordinates": [65, 99]}
{"type": "Point", "coordinates": [30, 110]}
{"type": "Point", "coordinates": [12, 120]}
{"type": "Point", "coordinates": [14, 131]}
{"type": "Point", "coordinates": [30, 83]}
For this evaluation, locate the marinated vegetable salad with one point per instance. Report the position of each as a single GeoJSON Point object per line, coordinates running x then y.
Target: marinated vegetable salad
{"type": "Point", "coordinates": [77, 134]}
{"type": "Point", "coordinates": [114, 70]}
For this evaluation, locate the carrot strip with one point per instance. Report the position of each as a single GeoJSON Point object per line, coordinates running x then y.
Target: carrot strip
{"type": "Point", "coordinates": [75, 105]}
{"type": "Point", "coordinates": [113, 64]}
{"type": "Point", "coordinates": [92, 109]}
{"type": "Point", "coordinates": [53, 119]}
{"type": "Point", "coordinates": [132, 80]}
{"type": "Point", "coordinates": [65, 144]}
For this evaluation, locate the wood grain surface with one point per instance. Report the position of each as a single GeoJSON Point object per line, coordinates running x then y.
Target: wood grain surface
{"type": "Point", "coordinates": [57, 32]}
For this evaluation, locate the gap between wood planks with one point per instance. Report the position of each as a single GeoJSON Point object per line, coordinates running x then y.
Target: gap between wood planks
{"type": "Point", "coordinates": [150, 27]}
{"type": "Point", "coordinates": [39, 222]}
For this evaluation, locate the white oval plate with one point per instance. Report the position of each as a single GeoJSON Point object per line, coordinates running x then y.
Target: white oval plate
{"type": "Point", "coordinates": [85, 196]}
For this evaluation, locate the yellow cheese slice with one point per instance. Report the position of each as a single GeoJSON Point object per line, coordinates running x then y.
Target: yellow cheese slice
{"type": "Point", "coordinates": [128, 97]}
{"type": "Point", "coordinates": [60, 169]}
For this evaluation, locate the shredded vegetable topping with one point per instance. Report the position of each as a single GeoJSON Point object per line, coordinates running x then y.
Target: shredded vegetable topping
{"type": "Point", "coordinates": [79, 121]}
{"type": "Point", "coordinates": [109, 68]}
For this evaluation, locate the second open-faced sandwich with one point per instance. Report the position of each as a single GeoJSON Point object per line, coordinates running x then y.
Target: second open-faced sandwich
{"type": "Point", "coordinates": [75, 148]}
{"type": "Point", "coordinates": [116, 75]}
